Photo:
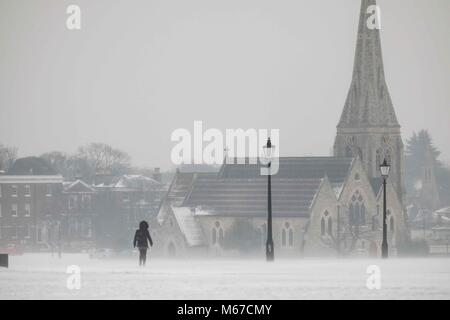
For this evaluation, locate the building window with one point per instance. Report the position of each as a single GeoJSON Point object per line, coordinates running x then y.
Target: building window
{"type": "Point", "coordinates": [14, 192]}
{"type": "Point", "coordinates": [322, 227]}
{"type": "Point", "coordinates": [27, 210]}
{"type": "Point", "coordinates": [86, 228]}
{"type": "Point", "coordinates": [392, 224]}
{"type": "Point", "coordinates": [379, 159]}
{"type": "Point", "coordinates": [86, 201]}
{"type": "Point", "coordinates": [357, 210]}
{"type": "Point", "coordinates": [14, 210]}
{"type": "Point", "coordinates": [287, 236]}
{"type": "Point", "coordinates": [388, 156]}
{"type": "Point", "coordinates": [390, 220]}
{"type": "Point", "coordinates": [14, 232]}
{"type": "Point", "coordinates": [221, 236]}
{"type": "Point", "coordinates": [49, 190]}
{"type": "Point", "coordinates": [72, 201]}
{"type": "Point", "coordinates": [27, 190]}
{"type": "Point", "coordinates": [0, 190]}
{"type": "Point", "coordinates": [217, 234]}
{"type": "Point", "coordinates": [27, 231]}
{"type": "Point", "coordinates": [326, 224]}
{"type": "Point", "coordinates": [214, 236]}
{"type": "Point", "coordinates": [1, 210]}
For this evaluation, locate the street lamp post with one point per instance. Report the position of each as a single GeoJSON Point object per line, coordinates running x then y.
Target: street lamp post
{"type": "Point", "coordinates": [268, 150]}
{"type": "Point", "coordinates": [384, 168]}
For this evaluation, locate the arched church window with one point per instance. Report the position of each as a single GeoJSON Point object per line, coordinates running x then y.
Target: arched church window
{"type": "Point", "coordinates": [357, 210]}
{"type": "Point", "coordinates": [221, 236]}
{"type": "Point", "coordinates": [362, 214]}
{"type": "Point", "coordinates": [214, 236]}
{"type": "Point", "coordinates": [322, 226]}
{"type": "Point", "coordinates": [217, 234]}
{"type": "Point", "coordinates": [348, 152]}
{"type": "Point", "coordinates": [287, 235]}
{"type": "Point", "coordinates": [379, 159]}
{"type": "Point", "coordinates": [388, 156]}
{"type": "Point", "coordinates": [359, 153]}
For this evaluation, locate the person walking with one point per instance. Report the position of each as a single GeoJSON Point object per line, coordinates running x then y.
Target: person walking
{"type": "Point", "coordinates": [141, 240]}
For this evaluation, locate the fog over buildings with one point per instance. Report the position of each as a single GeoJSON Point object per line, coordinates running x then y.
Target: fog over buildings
{"type": "Point", "coordinates": [137, 70]}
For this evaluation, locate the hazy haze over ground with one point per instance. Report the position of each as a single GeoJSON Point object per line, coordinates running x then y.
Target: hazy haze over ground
{"type": "Point", "coordinates": [222, 279]}
{"type": "Point", "coordinates": [139, 69]}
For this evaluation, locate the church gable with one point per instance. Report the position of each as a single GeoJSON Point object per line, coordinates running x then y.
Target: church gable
{"type": "Point", "coordinates": [357, 179]}
{"type": "Point", "coordinates": [322, 227]}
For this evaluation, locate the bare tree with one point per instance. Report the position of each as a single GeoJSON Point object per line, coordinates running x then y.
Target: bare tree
{"type": "Point", "coordinates": [102, 158]}
{"type": "Point", "coordinates": [8, 156]}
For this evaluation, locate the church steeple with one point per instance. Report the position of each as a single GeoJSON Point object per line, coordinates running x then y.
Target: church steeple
{"type": "Point", "coordinates": [368, 102]}
{"type": "Point", "coordinates": [368, 127]}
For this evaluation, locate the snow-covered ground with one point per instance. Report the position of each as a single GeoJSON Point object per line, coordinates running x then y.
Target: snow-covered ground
{"type": "Point", "coordinates": [39, 276]}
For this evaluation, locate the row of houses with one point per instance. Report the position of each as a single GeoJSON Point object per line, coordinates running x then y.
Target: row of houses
{"type": "Point", "coordinates": [39, 210]}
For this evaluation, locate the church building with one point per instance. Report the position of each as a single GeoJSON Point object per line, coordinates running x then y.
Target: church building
{"type": "Point", "coordinates": [322, 206]}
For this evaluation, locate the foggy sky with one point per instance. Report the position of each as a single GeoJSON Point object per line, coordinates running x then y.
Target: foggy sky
{"type": "Point", "coordinates": [139, 69]}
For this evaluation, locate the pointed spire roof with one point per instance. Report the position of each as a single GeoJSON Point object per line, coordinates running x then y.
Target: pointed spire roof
{"type": "Point", "coordinates": [368, 102]}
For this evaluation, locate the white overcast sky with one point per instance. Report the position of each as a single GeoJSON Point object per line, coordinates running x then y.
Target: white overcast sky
{"type": "Point", "coordinates": [140, 69]}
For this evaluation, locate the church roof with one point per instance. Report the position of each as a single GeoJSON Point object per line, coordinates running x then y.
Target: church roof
{"type": "Point", "coordinates": [334, 168]}
{"type": "Point", "coordinates": [248, 198]}
{"type": "Point", "coordinates": [368, 102]}
{"type": "Point", "coordinates": [241, 190]}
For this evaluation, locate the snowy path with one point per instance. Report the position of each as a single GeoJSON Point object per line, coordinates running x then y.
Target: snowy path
{"type": "Point", "coordinates": [39, 276]}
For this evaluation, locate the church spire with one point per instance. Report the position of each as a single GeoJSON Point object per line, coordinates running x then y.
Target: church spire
{"type": "Point", "coordinates": [368, 102]}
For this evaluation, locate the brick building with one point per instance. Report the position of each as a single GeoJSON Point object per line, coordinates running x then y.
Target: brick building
{"type": "Point", "coordinates": [30, 204]}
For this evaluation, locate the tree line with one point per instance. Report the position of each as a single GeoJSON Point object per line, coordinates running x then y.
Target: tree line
{"type": "Point", "coordinates": [418, 147]}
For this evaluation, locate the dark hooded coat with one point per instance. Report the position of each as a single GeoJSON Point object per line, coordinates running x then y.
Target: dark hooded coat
{"type": "Point", "coordinates": [142, 235]}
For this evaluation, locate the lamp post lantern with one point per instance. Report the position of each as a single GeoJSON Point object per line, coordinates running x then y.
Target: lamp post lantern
{"type": "Point", "coordinates": [384, 168]}
{"type": "Point", "coordinates": [268, 152]}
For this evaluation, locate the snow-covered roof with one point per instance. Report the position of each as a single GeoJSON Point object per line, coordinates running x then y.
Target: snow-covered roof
{"type": "Point", "coordinates": [136, 182]}
{"type": "Point", "coordinates": [189, 226]}
{"type": "Point", "coordinates": [77, 186]}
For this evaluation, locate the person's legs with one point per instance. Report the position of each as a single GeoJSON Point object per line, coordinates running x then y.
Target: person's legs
{"type": "Point", "coordinates": [141, 256]}
{"type": "Point", "coordinates": [144, 256]}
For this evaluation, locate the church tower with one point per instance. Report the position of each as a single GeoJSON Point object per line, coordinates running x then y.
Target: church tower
{"type": "Point", "coordinates": [427, 185]}
{"type": "Point", "coordinates": [368, 127]}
